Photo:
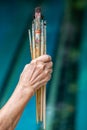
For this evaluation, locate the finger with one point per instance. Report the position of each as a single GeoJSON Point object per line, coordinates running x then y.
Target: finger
{"type": "Point", "coordinates": [43, 58]}
{"type": "Point", "coordinates": [41, 76]}
{"type": "Point", "coordinates": [48, 65]}
{"type": "Point", "coordinates": [41, 83]}
{"type": "Point", "coordinates": [39, 69]}
{"type": "Point", "coordinates": [48, 71]}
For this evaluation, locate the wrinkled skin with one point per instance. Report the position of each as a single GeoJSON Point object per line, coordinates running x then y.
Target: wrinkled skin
{"type": "Point", "coordinates": [37, 73]}
{"type": "Point", "coordinates": [34, 75]}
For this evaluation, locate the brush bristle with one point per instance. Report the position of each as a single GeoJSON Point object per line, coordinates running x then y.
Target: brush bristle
{"type": "Point", "coordinates": [38, 9]}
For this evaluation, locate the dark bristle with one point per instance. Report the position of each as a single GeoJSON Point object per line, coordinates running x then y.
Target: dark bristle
{"type": "Point", "coordinates": [38, 9]}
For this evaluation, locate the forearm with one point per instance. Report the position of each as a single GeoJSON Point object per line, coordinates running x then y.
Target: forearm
{"type": "Point", "coordinates": [34, 75]}
{"type": "Point", "coordinates": [11, 112]}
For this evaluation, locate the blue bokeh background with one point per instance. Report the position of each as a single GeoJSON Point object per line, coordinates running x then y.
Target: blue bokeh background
{"type": "Point", "coordinates": [62, 24]}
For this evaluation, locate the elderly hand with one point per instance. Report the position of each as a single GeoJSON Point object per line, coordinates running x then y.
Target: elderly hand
{"type": "Point", "coordinates": [37, 73]}
{"type": "Point", "coordinates": [34, 75]}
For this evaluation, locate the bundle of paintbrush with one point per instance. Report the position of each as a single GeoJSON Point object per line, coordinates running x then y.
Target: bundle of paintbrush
{"type": "Point", "coordinates": [38, 48]}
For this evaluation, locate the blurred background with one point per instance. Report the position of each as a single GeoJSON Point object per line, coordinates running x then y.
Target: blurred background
{"type": "Point", "coordinates": [66, 43]}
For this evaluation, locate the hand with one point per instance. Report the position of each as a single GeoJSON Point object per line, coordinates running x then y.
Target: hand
{"type": "Point", "coordinates": [34, 75]}
{"type": "Point", "coordinates": [37, 73]}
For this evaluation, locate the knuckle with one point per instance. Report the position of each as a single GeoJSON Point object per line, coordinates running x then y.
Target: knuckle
{"type": "Point", "coordinates": [33, 64]}
{"type": "Point", "coordinates": [40, 66]}
{"type": "Point", "coordinates": [46, 72]}
{"type": "Point", "coordinates": [51, 63]}
{"type": "Point", "coordinates": [48, 57]}
{"type": "Point", "coordinates": [33, 61]}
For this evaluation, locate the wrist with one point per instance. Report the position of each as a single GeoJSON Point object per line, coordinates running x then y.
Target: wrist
{"type": "Point", "coordinates": [27, 91]}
